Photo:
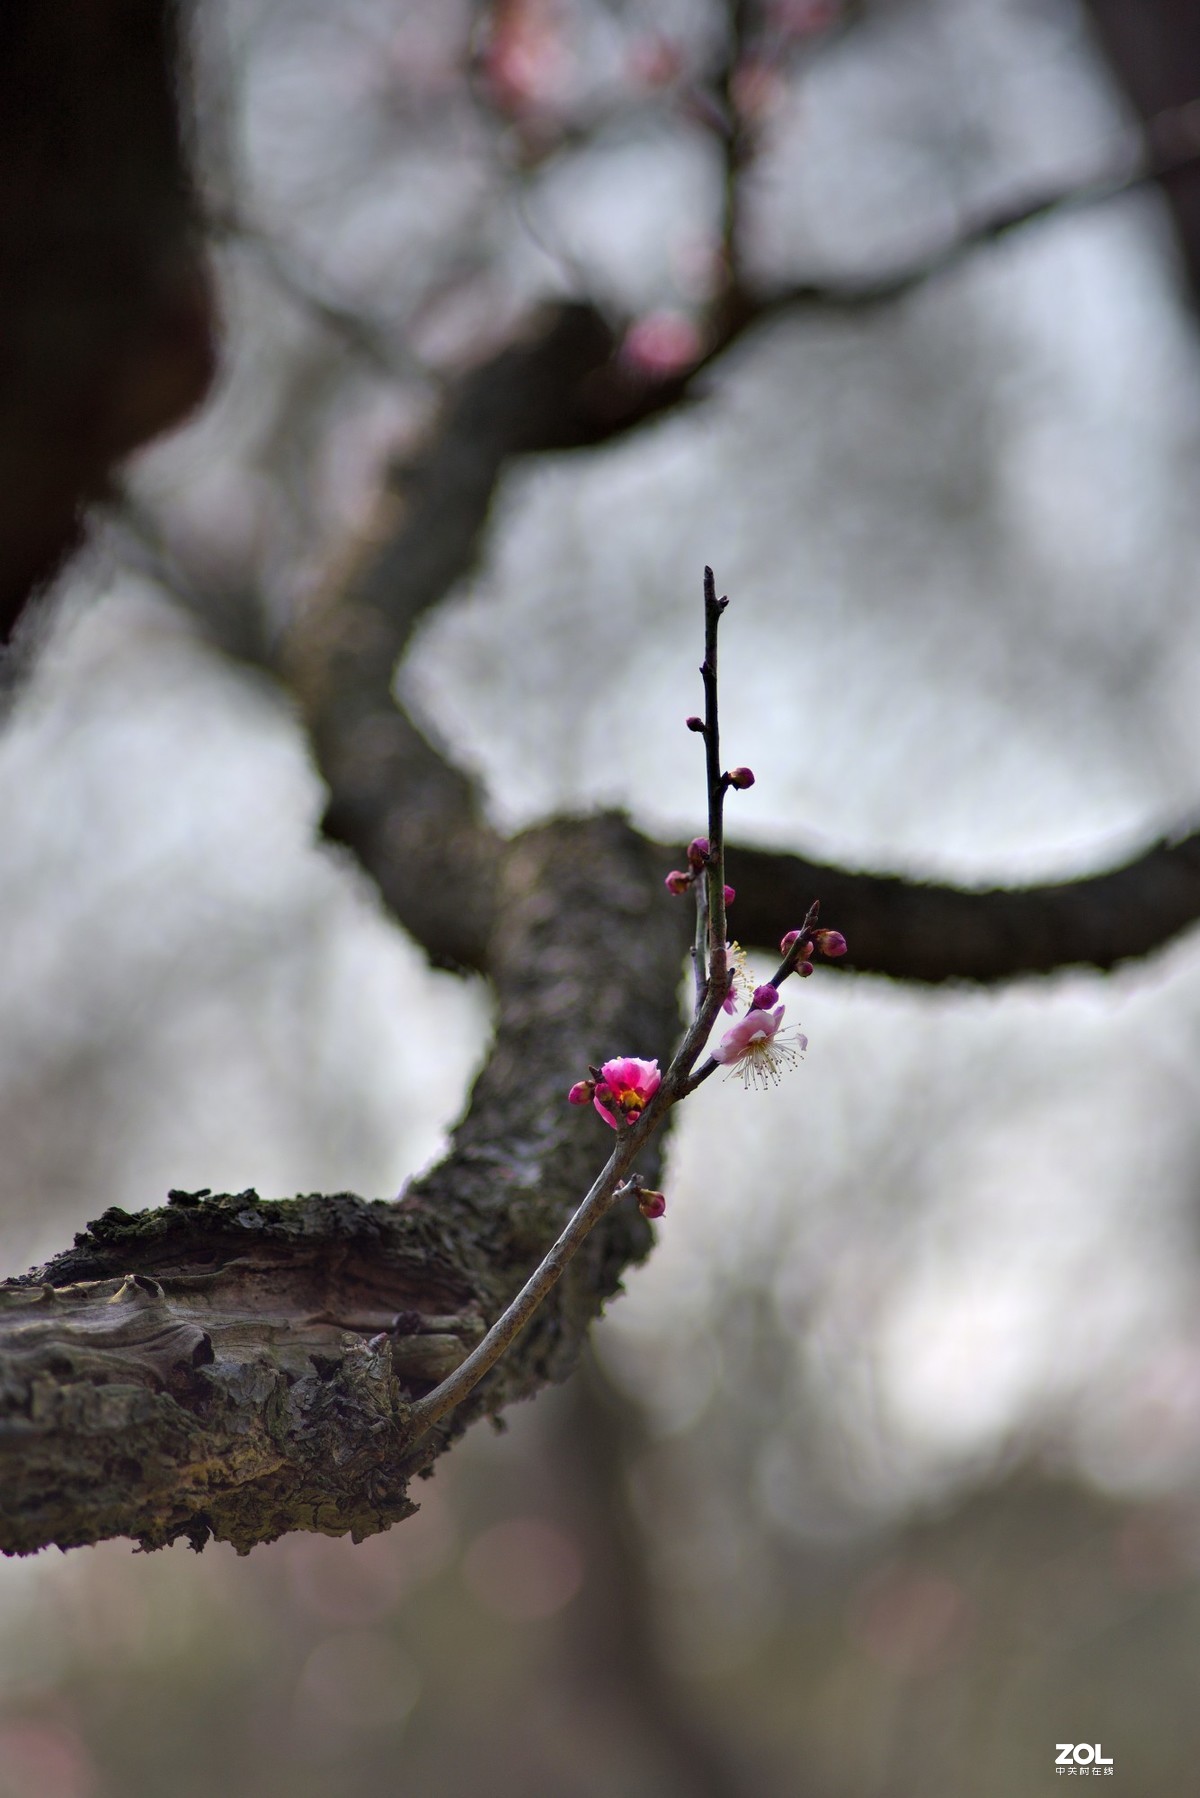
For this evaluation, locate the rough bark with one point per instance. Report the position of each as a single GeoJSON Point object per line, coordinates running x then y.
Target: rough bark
{"type": "Point", "coordinates": [235, 1368]}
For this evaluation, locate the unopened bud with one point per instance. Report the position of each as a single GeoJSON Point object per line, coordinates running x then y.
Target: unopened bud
{"type": "Point", "coordinates": [793, 936]}
{"type": "Point", "coordinates": [765, 997]}
{"type": "Point", "coordinates": [741, 777]}
{"type": "Point", "coordinates": [730, 895]}
{"type": "Point", "coordinates": [804, 969]}
{"type": "Point", "coordinates": [651, 1204]}
{"type": "Point", "coordinates": [694, 723]}
{"type": "Point", "coordinates": [677, 881]}
{"type": "Point", "coordinates": [698, 851]}
{"type": "Point", "coordinates": [582, 1093]}
{"type": "Point", "coordinates": [830, 942]}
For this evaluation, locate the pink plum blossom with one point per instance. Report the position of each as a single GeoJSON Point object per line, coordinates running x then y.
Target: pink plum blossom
{"type": "Point", "coordinates": [755, 1049]}
{"type": "Point", "coordinates": [662, 344]}
{"type": "Point", "coordinates": [628, 1084]}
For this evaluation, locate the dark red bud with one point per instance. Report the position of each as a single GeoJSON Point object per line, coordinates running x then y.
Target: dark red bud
{"type": "Point", "coordinates": [830, 942]}
{"type": "Point", "coordinates": [694, 723]}
{"type": "Point", "coordinates": [741, 777]}
{"type": "Point", "coordinates": [730, 895]}
{"type": "Point", "coordinates": [765, 998]}
{"type": "Point", "coordinates": [652, 1204]}
{"type": "Point", "coordinates": [804, 969]}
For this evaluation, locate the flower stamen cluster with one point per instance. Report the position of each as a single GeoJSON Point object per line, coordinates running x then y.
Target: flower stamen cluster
{"type": "Point", "coordinates": [755, 1048]}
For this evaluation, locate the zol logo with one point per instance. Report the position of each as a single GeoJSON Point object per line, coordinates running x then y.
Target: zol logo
{"type": "Point", "coordinates": [1081, 1758]}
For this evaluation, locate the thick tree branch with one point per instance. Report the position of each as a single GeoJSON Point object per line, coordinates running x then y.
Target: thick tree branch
{"type": "Point", "coordinates": [231, 1368]}
{"type": "Point", "coordinates": [916, 930]}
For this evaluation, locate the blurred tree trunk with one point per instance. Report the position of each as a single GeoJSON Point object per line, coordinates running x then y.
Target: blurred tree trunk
{"type": "Point", "coordinates": [106, 316]}
{"type": "Point", "coordinates": [1153, 49]}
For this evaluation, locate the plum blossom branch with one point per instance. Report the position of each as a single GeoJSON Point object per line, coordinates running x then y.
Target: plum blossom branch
{"type": "Point", "coordinates": [629, 1093]}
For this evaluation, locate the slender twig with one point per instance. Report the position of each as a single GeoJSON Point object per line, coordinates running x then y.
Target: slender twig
{"type": "Point", "coordinates": [712, 981]}
{"type": "Point", "coordinates": [715, 872]}
{"type": "Point", "coordinates": [604, 1192]}
{"type": "Point", "coordinates": [711, 985]}
{"type": "Point", "coordinates": [700, 945]}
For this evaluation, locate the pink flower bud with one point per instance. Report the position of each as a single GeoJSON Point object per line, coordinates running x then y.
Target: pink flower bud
{"type": "Point", "coordinates": [793, 936]}
{"type": "Point", "coordinates": [830, 942]}
{"type": "Point", "coordinates": [651, 1204]}
{"type": "Point", "coordinates": [730, 895]}
{"type": "Point", "coordinates": [677, 882]}
{"type": "Point", "coordinates": [582, 1093]}
{"type": "Point", "coordinates": [804, 969]}
{"type": "Point", "coordinates": [766, 998]}
{"type": "Point", "coordinates": [694, 723]}
{"type": "Point", "coordinates": [741, 777]}
{"type": "Point", "coordinates": [698, 851]}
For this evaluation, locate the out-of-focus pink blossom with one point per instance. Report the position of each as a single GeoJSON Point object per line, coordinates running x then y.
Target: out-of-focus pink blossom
{"type": "Point", "coordinates": [525, 62]}
{"type": "Point", "coordinates": [654, 62]}
{"type": "Point", "coordinates": [802, 18]}
{"type": "Point", "coordinates": [628, 1085]}
{"type": "Point", "coordinates": [755, 1049]}
{"type": "Point", "coordinates": [756, 88]}
{"type": "Point", "coordinates": [662, 344]}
